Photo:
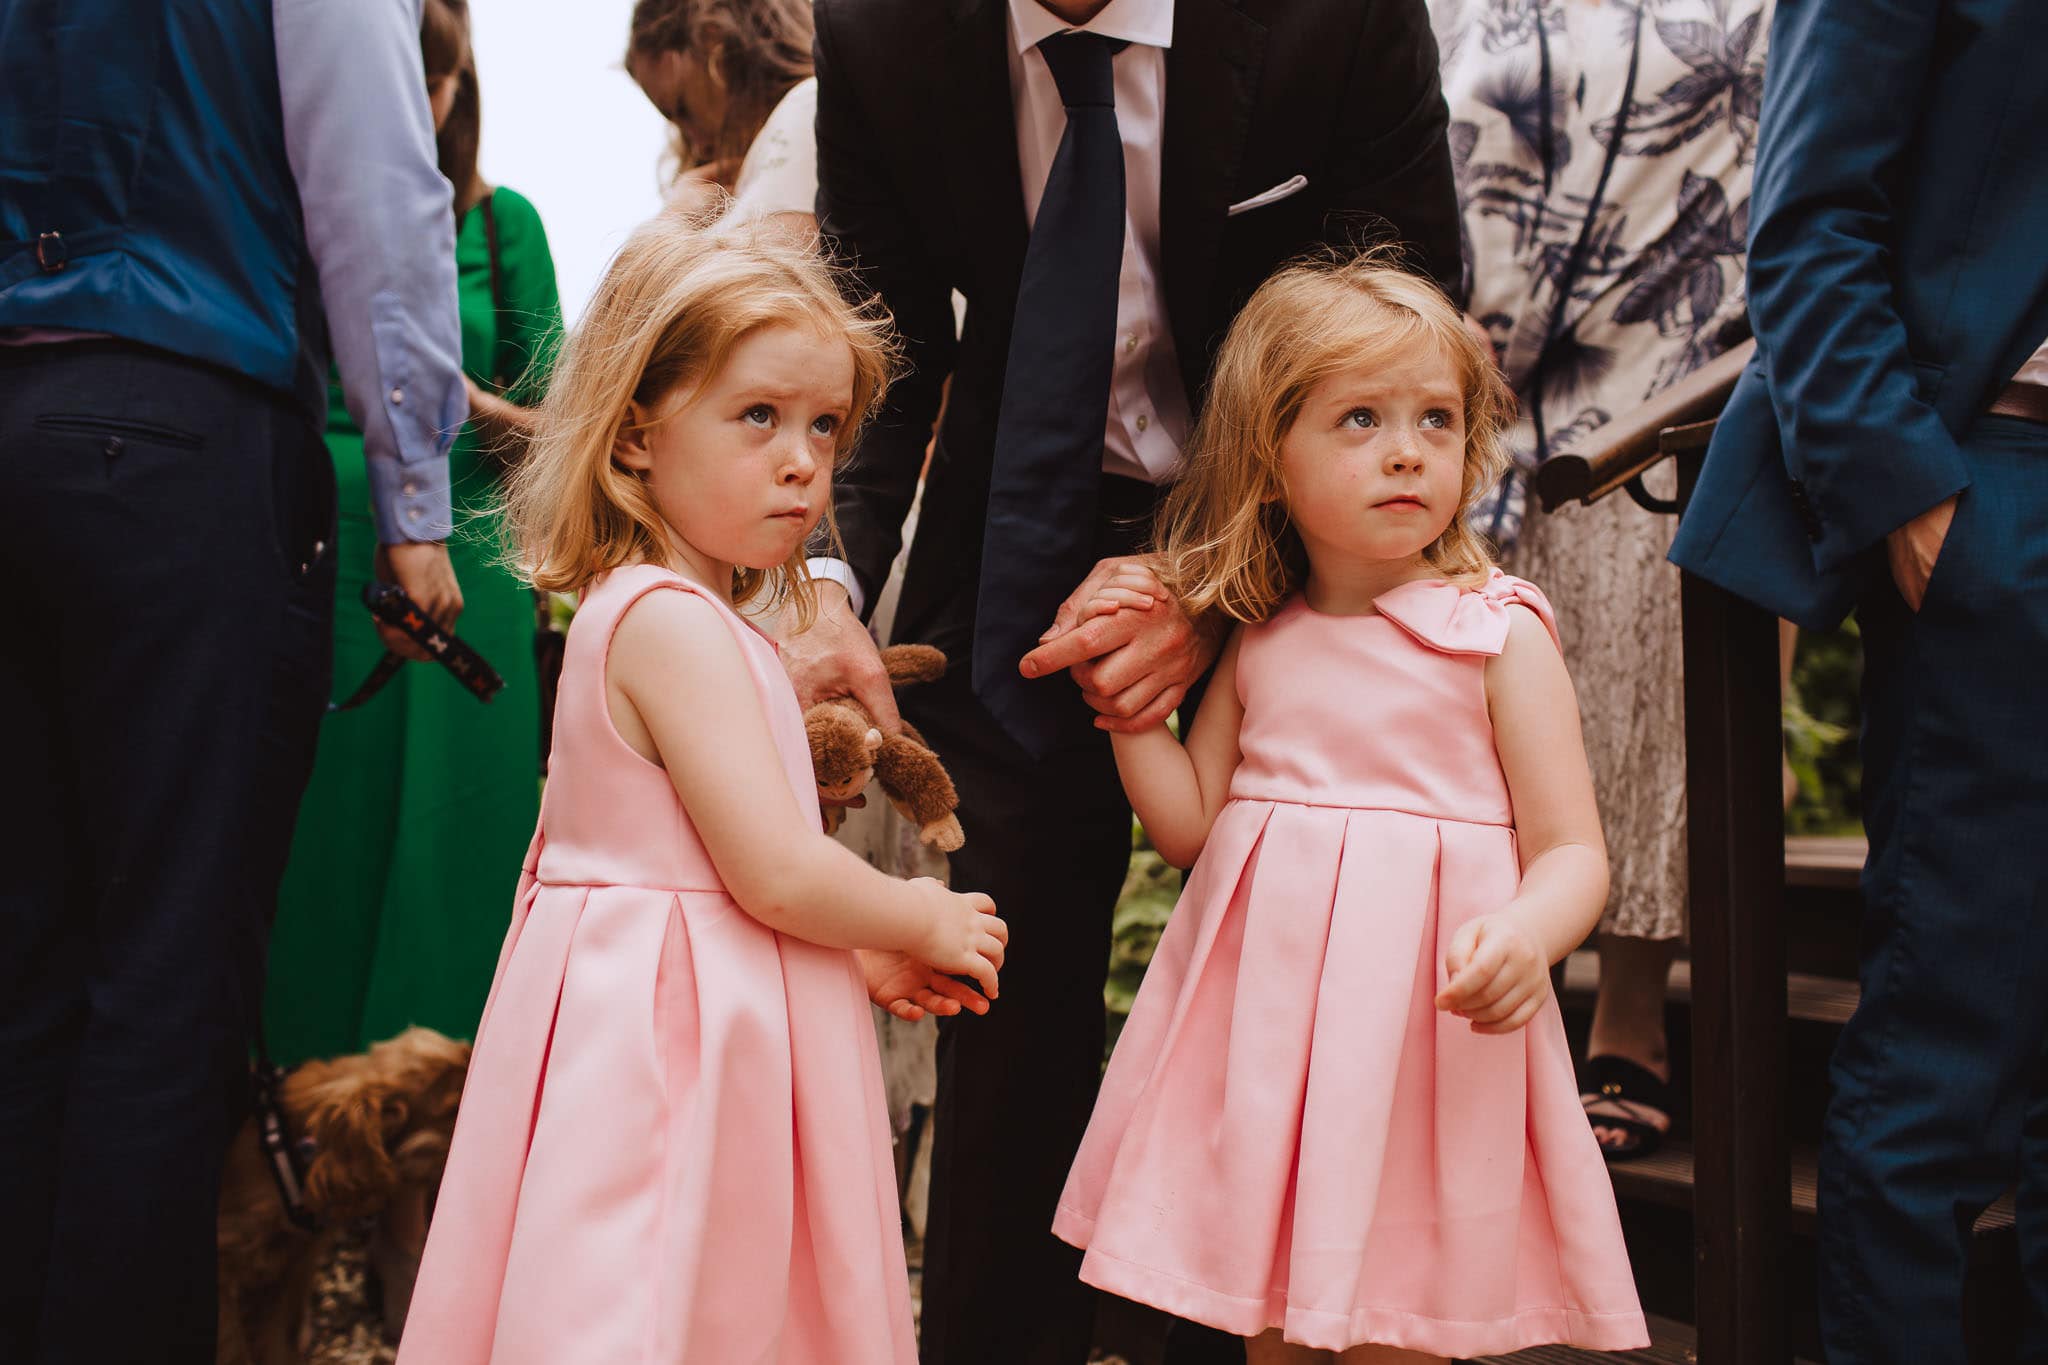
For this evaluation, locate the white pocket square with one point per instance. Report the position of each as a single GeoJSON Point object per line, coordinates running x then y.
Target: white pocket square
{"type": "Point", "coordinates": [1292, 185]}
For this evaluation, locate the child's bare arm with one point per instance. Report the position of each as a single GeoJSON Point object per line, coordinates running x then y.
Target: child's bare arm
{"type": "Point", "coordinates": [1178, 790]}
{"type": "Point", "coordinates": [676, 675]}
{"type": "Point", "coordinates": [1499, 964]}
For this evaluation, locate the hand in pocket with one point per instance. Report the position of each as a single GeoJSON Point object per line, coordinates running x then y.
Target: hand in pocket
{"type": "Point", "coordinates": [1914, 548]}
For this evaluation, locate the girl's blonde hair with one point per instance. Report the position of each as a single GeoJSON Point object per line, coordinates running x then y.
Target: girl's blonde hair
{"type": "Point", "coordinates": [672, 305]}
{"type": "Point", "coordinates": [1225, 536]}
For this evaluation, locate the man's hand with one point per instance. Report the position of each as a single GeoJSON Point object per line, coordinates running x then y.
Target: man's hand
{"type": "Point", "coordinates": [835, 658]}
{"type": "Point", "coordinates": [1134, 665]}
{"type": "Point", "coordinates": [1914, 548]}
{"type": "Point", "coordinates": [423, 570]}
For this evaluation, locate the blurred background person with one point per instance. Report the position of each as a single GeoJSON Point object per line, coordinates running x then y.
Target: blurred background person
{"type": "Point", "coordinates": [733, 78]}
{"type": "Point", "coordinates": [393, 906]}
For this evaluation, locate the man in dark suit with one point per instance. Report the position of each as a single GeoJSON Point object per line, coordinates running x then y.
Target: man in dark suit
{"type": "Point", "coordinates": [1889, 450]}
{"type": "Point", "coordinates": [1104, 184]}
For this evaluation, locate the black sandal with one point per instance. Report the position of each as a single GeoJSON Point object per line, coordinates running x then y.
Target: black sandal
{"type": "Point", "coordinates": [1637, 1094]}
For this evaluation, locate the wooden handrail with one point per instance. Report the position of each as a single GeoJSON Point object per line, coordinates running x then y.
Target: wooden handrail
{"type": "Point", "coordinates": [1620, 451]}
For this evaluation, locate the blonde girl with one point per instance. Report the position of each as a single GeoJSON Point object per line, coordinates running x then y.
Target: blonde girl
{"type": "Point", "coordinates": [673, 1145]}
{"type": "Point", "coordinates": [1342, 1121]}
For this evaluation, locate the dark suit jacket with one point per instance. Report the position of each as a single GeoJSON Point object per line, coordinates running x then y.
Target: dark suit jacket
{"type": "Point", "coordinates": [1898, 277]}
{"type": "Point", "coordinates": [918, 185]}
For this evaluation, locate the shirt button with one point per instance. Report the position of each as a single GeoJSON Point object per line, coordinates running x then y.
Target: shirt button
{"type": "Point", "coordinates": [412, 486]}
{"type": "Point", "coordinates": [1143, 421]}
{"type": "Point", "coordinates": [412, 513]}
{"type": "Point", "coordinates": [1130, 343]}
{"type": "Point", "coordinates": [114, 446]}
{"type": "Point", "coordinates": [397, 397]}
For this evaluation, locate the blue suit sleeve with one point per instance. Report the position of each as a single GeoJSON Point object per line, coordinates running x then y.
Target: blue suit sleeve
{"type": "Point", "coordinates": [381, 231]}
{"type": "Point", "coordinates": [1847, 82]}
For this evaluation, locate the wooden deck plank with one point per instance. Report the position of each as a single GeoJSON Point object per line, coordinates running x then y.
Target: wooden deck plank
{"type": "Point", "coordinates": [1817, 999]}
{"type": "Point", "coordinates": [1825, 860]}
{"type": "Point", "coordinates": [1666, 1177]}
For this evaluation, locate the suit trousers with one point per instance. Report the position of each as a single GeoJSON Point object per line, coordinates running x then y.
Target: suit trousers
{"type": "Point", "coordinates": [1940, 1082]}
{"type": "Point", "coordinates": [165, 668]}
{"type": "Point", "coordinates": [1050, 840]}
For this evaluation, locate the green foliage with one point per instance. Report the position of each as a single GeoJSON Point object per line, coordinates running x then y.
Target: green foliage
{"type": "Point", "coordinates": [1150, 890]}
{"type": "Point", "coordinates": [1822, 716]}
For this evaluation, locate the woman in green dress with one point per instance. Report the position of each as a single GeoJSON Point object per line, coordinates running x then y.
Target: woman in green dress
{"type": "Point", "coordinates": [395, 902]}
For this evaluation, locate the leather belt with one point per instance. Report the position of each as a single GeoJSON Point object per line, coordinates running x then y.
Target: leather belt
{"type": "Point", "coordinates": [2029, 402]}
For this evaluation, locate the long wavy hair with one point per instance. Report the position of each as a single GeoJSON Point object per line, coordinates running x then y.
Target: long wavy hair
{"type": "Point", "coordinates": [675, 301]}
{"type": "Point", "coordinates": [1225, 537]}
{"type": "Point", "coordinates": [758, 48]}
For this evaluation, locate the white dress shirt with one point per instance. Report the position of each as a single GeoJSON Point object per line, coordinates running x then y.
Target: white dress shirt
{"type": "Point", "coordinates": [1148, 404]}
{"type": "Point", "coordinates": [2035, 371]}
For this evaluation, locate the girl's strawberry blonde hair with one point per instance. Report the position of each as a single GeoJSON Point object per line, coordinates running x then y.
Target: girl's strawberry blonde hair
{"type": "Point", "coordinates": [1225, 537]}
{"type": "Point", "coordinates": [680, 294]}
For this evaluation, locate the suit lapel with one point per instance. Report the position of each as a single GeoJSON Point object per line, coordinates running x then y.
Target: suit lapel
{"type": "Point", "coordinates": [979, 133]}
{"type": "Point", "coordinates": [1212, 77]}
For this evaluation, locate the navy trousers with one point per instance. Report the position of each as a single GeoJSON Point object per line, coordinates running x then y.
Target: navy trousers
{"type": "Point", "coordinates": [163, 672]}
{"type": "Point", "coordinates": [1940, 1081]}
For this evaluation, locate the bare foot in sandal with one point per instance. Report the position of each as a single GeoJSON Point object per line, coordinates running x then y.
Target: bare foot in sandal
{"type": "Point", "coordinates": [1628, 1105]}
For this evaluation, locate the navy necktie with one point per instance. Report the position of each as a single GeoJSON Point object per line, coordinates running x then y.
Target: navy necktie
{"type": "Point", "coordinates": [1044, 487]}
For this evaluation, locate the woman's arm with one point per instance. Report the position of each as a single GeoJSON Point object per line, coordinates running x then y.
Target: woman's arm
{"type": "Point", "coordinates": [1178, 790]}
{"type": "Point", "coordinates": [680, 693]}
{"type": "Point", "coordinates": [505, 426]}
{"type": "Point", "coordinates": [1499, 964]}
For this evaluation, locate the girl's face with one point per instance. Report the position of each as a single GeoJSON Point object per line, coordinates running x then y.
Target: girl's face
{"type": "Point", "coordinates": [741, 467]}
{"type": "Point", "coordinates": [1374, 464]}
{"type": "Point", "coordinates": [689, 92]}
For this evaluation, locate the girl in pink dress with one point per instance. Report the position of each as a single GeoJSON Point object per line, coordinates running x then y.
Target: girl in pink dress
{"type": "Point", "coordinates": [1342, 1117]}
{"type": "Point", "coordinates": [673, 1146]}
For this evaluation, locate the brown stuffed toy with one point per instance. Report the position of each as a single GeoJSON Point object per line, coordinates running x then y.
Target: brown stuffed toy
{"type": "Point", "coordinates": [847, 749]}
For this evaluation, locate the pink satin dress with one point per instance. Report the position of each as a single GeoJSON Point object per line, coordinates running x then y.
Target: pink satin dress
{"type": "Point", "coordinates": [1290, 1134]}
{"type": "Point", "coordinates": [673, 1146]}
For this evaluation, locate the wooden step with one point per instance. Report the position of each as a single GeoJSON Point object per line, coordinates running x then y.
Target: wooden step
{"type": "Point", "coordinates": [1824, 860]}
{"type": "Point", "coordinates": [1666, 1177]}
{"type": "Point", "coordinates": [1671, 1343]}
{"type": "Point", "coordinates": [1819, 999]}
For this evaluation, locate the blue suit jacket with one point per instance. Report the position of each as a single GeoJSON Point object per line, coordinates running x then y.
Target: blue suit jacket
{"type": "Point", "coordinates": [1898, 277]}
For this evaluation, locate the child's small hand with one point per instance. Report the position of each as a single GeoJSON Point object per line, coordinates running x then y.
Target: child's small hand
{"type": "Point", "coordinates": [1498, 978]}
{"type": "Point", "coordinates": [1134, 587]}
{"type": "Point", "coordinates": [910, 989]}
{"type": "Point", "coordinates": [964, 936]}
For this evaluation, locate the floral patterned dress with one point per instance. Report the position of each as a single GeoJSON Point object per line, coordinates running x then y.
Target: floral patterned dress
{"type": "Point", "coordinates": [1603, 151]}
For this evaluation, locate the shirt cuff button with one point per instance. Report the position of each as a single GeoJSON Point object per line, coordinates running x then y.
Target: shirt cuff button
{"type": "Point", "coordinates": [397, 397]}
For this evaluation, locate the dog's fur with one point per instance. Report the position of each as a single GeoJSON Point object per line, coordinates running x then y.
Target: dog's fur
{"type": "Point", "coordinates": [382, 1122]}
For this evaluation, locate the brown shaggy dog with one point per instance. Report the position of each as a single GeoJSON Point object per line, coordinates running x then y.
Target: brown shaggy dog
{"type": "Point", "coordinates": [380, 1124]}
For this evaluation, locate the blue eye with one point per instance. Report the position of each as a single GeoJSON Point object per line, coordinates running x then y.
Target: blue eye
{"type": "Point", "coordinates": [1367, 413]}
{"type": "Point", "coordinates": [1437, 418]}
{"type": "Point", "coordinates": [825, 425]}
{"type": "Point", "coordinates": [758, 415]}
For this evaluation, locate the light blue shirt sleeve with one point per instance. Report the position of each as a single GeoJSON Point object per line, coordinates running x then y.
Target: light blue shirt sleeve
{"type": "Point", "coordinates": [381, 231]}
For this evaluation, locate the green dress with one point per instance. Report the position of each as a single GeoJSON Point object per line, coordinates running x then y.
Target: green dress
{"type": "Point", "coordinates": [422, 801]}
